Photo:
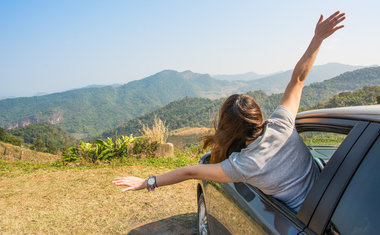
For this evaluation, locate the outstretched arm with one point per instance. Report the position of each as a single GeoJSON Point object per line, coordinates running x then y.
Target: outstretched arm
{"type": "Point", "coordinates": [213, 172]}
{"type": "Point", "coordinates": [324, 29]}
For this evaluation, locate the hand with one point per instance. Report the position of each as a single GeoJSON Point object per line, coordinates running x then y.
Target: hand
{"type": "Point", "coordinates": [327, 27]}
{"type": "Point", "coordinates": [132, 183]}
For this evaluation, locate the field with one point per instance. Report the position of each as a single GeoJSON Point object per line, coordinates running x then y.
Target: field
{"type": "Point", "coordinates": [184, 137]}
{"type": "Point", "coordinates": [46, 198]}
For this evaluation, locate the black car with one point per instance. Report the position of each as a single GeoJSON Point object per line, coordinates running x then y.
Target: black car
{"type": "Point", "coordinates": [345, 199]}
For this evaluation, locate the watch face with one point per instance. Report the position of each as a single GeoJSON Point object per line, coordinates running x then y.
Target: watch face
{"type": "Point", "coordinates": [151, 181]}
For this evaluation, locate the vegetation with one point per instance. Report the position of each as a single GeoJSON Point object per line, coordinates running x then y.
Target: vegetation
{"type": "Point", "coordinates": [11, 153]}
{"type": "Point", "coordinates": [188, 112]}
{"type": "Point", "coordinates": [88, 112]}
{"type": "Point", "coordinates": [108, 150]}
{"type": "Point", "coordinates": [322, 138]}
{"type": "Point", "coordinates": [158, 133]}
{"type": "Point", "coordinates": [349, 81]}
{"type": "Point", "coordinates": [277, 83]}
{"type": "Point", "coordinates": [6, 137]}
{"type": "Point", "coordinates": [366, 96]}
{"type": "Point", "coordinates": [198, 112]}
{"type": "Point", "coordinates": [44, 137]}
{"type": "Point", "coordinates": [48, 198]}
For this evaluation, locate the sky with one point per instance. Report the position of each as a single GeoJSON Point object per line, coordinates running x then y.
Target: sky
{"type": "Point", "coordinates": [52, 46]}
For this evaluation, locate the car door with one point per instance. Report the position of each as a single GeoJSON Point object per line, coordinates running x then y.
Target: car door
{"type": "Point", "coordinates": [238, 208]}
{"type": "Point", "coordinates": [357, 179]}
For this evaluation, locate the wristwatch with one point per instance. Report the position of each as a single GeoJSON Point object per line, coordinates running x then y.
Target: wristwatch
{"type": "Point", "coordinates": [151, 183]}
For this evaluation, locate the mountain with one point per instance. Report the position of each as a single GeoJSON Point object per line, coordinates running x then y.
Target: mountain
{"type": "Point", "coordinates": [277, 83]}
{"type": "Point", "coordinates": [239, 77]}
{"type": "Point", "coordinates": [190, 111]}
{"type": "Point", "coordinates": [198, 112]}
{"type": "Point", "coordinates": [365, 96]}
{"type": "Point", "coordinates": [49, 136]}
{"type": "Point", "coordinates": [90, 111]}
{"type": "Point", "coordinates": [317, 74]}
{"type": "Point", "coordinates": [349, 81]}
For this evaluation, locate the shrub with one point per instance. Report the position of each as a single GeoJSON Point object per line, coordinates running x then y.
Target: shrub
{"type": "Point", "coordinates": [159, 132]}
{"type": "Point", "coordinates": [145, 146]}
{"type": "Point", "coordinates": [13, 140]}
{"type": "Point", "coordinates": [107, 150]}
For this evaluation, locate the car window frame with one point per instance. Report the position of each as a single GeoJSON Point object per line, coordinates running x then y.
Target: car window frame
{"type": "Point", "coordinates": [353, 129]}
{"type": "Point", "coordinates": [341, 179]}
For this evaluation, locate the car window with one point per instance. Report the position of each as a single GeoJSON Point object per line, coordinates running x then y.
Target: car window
{"type": "Point", "coordinates": [358, 210]}
{"type": "Point", "coordinates": [322, 145]}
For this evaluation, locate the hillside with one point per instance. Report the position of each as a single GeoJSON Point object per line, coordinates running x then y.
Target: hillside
{"type": "Point", "coordinates": [276, 83]}
{"type": "Point", "coordinates": [194, 112]}
{"type": "Point", "coordinates": [365, 96]}
{"type": "Point", "coordinates": [9, 152]}
{"type": "Point", "coordinates": [90, 111]}
{"type": "Point", "coordinates": [197, 112]}
{"type": "Point", "coordinates": [348, 81]}
{"type": "Point", "coordinates": [188, 112]}
{"type": "Point", "coordinates": [44, 137]}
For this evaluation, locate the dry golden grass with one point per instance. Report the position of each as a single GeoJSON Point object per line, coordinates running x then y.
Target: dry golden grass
{"type": "Point", "coordinates": [190, 131]}
{"type": "Point", "coordinates": [74, 201]}
{"type": "Point", "coordinates": [159, 131]}
{"type": "Point", "coordinates": [10, 152]}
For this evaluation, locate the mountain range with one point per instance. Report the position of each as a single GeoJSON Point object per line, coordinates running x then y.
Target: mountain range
{"type": "Point", "coordinates": [199, 112]}
{"type": "Point", "coordinates": [92, 110]}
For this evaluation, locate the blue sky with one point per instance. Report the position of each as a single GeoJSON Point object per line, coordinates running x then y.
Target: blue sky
{"type": "Point", "coordinates": [50, 46]}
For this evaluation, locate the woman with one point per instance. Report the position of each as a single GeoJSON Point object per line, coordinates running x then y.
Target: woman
{"type": "Point", "coordinates": [269, 155]}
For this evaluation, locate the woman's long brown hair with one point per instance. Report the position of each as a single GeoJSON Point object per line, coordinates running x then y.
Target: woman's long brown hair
{"type": "Point", "coordinates": [240, 120]}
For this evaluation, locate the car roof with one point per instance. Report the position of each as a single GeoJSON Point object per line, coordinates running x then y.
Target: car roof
{"type": "Point", "coordinates": [365, 113]}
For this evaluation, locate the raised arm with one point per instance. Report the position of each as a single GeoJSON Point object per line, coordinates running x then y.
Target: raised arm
{"type": "Point", "coordinates": [324, 29]}
{"type": "Point", "coordinates": [213, 172]}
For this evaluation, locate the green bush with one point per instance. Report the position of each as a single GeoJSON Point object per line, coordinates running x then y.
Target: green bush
{"type": "Point", "coordinates": [144, 146]}
{"type": "Point", "coordinates": [108, 150]}
{"type": "Point", "coordinates": [13, 140]}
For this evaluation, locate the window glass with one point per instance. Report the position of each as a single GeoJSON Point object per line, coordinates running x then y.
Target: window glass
{"type": "Point", "coordinates": [322, 145]}
{"type": "Point", "coordinates": [358, 209]}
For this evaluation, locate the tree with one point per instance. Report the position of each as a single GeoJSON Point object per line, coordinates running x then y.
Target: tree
{"type": "Point", "coordinates": [38, 145]}
{"type": "Point", "coordinates": [13, 140]}
{"type": "Point", "coordinates": [2, 134]}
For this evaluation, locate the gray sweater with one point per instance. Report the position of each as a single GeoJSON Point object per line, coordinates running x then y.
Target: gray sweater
{"type": "Point", "coordinates": [278, 162]}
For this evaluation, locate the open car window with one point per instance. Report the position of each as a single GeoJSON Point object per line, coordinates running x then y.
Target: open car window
{"type": "Point", "coordinates": [322, 144]}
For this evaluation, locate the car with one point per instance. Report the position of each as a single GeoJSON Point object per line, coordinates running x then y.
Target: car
{"type": "Point", "coordinates": [345, 144]}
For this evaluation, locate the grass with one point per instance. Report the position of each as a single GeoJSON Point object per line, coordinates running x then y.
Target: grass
{"type": "Point", "coordinates": [82, 200]}
{"type": "Point", "coordinates": [322, 138]}
{"type": "Point", "coordinates": [45, 196]}
{"type": "Point", "coordinates": [10, 152]}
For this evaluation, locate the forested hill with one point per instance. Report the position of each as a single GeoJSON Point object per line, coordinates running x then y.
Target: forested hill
{"type": "Point", "coordinates": [92, 110]}
{"type": "Point", "coordinates": [188, 112]}
{"type": "Point", "coordinates": [366, 95]}
{"type": "Point", "coordinates": [44, 137]}
{"type": "Point", "coordinates": [196, 112]}
{"type": "Point", "coordinates": [348, 81]}
{"type": "Point", "coordinates": [276, 83]}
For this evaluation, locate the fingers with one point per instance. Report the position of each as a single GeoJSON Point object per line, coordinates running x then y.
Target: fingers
{"type": "Point", "coordinates": [132, 183]}
{"type": "Point", "coordinates": [128, 189]}
{"type": "Point", "coordinates": [339, 27]}
{"type": "Point", "coordinates": [333, 15]}
{"type": "Point", "coordinates": [320, 19]}
{"type": "Point", "coordinates": [338, 20]}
